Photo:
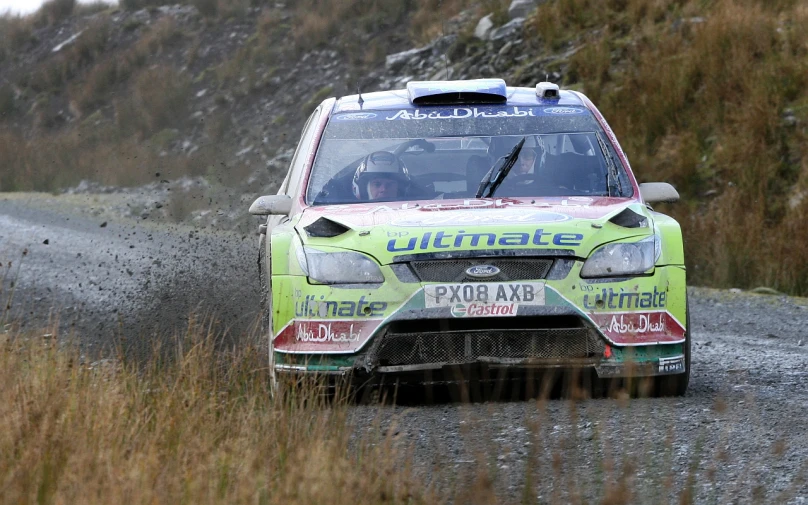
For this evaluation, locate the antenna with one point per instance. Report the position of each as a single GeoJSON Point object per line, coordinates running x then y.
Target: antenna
{"type": "Point", "coordinates": [443, 36]}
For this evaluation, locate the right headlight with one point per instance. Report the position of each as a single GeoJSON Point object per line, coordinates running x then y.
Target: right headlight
{"type": "Point", "coordinates": [623, 258]}
{"type": "Point", "coordinates": [341, 267]}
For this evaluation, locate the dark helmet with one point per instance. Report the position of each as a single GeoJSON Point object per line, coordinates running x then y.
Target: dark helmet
{"type": "Point", "coordinates": [379, 164]}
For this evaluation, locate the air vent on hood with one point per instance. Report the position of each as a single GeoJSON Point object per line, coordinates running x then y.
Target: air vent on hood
{"type": "Point", "coordinates": [476, 91]}
{"type": "Point", "coordinates": [629, 219]}
{"type": "Point", "coordinates": [325, 228]}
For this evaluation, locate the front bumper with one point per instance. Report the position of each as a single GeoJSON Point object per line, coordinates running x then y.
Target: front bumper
{"type": "Point", "coordinates": [616, 327]}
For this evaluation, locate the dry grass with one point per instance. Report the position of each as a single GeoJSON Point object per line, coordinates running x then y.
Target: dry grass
{"type": "Point", "coordinates": [52, 74]}
{"type": "Point", "coordinates": [197, 426]}
{"type": "Point", "coordinates": [54, 11]}
{"type": "Point", "coordinates": [54, 162]}
{"type": "Point", "coordinates": [115, 70]}
{"type": "Point", "coordinates": [319, 21]}
{"type": "Point", "coordinates": [708, 87]}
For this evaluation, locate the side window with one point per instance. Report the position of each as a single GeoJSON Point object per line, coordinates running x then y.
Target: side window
{"type": "Point", "coordinates": [302, 152]}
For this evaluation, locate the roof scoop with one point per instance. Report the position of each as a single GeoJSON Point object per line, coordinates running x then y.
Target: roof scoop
{"type": "Point", "coordinates": [475, 91]}
{"type": "Point", "coordinates": [325, 228]}
{"type": "Point", "coordinates": [627, 218]}
{"type": "Point", "coordinates": [547, 90]}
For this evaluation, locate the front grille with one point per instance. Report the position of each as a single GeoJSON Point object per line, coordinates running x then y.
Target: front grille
{"type": "Point", "coordinates": [464, 346]}
{"type": "Point", "coordinates": [454, 270]}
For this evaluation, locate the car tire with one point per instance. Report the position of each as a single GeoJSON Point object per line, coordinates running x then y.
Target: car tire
{"type": "Point", "coordinates": [264, 277]}
{"type": "Point", "coordinates": [676, 385]}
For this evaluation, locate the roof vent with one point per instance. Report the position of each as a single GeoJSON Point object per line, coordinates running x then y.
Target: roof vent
{"type": "Point", "coordinates": [547, 90]}
{"type": "Point", "coordinates": [475, 91]}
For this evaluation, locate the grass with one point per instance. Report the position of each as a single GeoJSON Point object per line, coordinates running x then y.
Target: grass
{"type": "Point", "coordinates": [197, 423]}
{"type": "Point", "coordinates": [198, 426]}
{"type": "Point", "coordinates": [708, 84]}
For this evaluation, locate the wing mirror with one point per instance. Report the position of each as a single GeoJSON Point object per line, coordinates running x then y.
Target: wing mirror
{"type": "Point", "coordinates": [272, 205]}
{"type": "Point", "coordinates": [658, 192]}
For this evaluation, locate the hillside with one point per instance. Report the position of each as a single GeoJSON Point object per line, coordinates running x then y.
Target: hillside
{"type": "Point", "coordinates": [207, 99]}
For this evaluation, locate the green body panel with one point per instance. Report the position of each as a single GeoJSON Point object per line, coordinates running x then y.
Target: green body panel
{"type": "Point", "coordinates": [297, 298]}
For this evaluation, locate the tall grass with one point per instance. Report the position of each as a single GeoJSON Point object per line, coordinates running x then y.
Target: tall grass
{"type": "Point", "coordinates": [197, 426]}
{"type": "Point", "coordinates": [698, 93]}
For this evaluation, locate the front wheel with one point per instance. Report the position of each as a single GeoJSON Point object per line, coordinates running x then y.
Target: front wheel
{"type": "Point", "coordinates": [676, 385]}
{"type": "Point", "coordinates": [266, 314]}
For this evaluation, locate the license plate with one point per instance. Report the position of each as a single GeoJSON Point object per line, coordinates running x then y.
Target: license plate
{"type": "Point", "coordinates": [449, 295]}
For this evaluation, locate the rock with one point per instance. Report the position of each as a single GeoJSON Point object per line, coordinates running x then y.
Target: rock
{"type": "Point", "coordinates": [507, 30]}
{"type": "Point", "coordinates": [442, 44]}
{"type": "Point", "coordinates": [484, 27]}
{"type": "Point", "coordinates": [441, 75]}
{"type": "Point", "coordinates": [521, 8]}
{"type": "Point", "coordinates": [397, 61]}
{"type": "Point", "coordinates": [507, 47]}
{"type": "Point", "coordinates": [67, 42]}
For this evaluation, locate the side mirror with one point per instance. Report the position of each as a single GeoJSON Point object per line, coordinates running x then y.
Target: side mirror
{"type": "Point", "coordinates": [272, 205]}
{"type": "Point", "coordinates": [658, 192]}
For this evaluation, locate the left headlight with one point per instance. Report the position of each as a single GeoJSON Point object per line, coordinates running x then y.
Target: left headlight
{"type": "Point", "coordinates": [623, 258]}
{"type": "Point", "coordinates": [341, 267]}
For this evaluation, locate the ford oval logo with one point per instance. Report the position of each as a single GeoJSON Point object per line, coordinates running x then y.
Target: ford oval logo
{"type": "Point", "coordinates": [482, 271]}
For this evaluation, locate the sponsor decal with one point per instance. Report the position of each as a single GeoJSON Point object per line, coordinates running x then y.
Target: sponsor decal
{"type": "Point", "coordinates": [464, 113]}
{"type": "Point", "coordinates": [632, 328]}
{"type": "Point", "coordinates": [564, 110]}
{"type": "Point", "coordinates": [466, 204]}
{"type": "Point", "coordinates": [324, 336]}
{"type": "Point", "coordinates": [514, 216]}
{"type": "Point", "coordinates": [482, 271]}
{"type": "Point", "coordinates": [643, 323]}
{"type": "Point", "coordinates": [672, 365]}
{"type": "Point", "coordinates": [442, 240]}
{"type": "Point", "coordinates": [355, 116]}
{"type": "Point", "coordinates": [450, 295]}
{"type": "Point", "coordinates": [310, 306]}
{"type": "Point", "coordinates": [327, 332]}
{"type": "Point", "coordinates": [484, 309]}
{"type": "Point", "coordinates": [609, 299]}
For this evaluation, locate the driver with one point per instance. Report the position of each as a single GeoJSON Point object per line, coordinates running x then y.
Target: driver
{"type": "Point", "coordinates": [380, 176]}
{"type": "Point", "coordinates": [525, 163]}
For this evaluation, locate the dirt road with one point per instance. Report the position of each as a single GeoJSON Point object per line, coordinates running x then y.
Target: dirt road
{"type": "Point", "coordinates": [739, 436]}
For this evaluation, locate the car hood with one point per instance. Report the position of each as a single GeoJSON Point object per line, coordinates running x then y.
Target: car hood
{"type": "Point", "coordinates": [395, 231]}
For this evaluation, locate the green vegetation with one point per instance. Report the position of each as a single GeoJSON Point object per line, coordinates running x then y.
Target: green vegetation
{"type": "Point", "coordinates": [316, 98]}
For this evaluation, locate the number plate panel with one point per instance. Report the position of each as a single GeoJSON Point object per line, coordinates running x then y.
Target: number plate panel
{"type": "Point", "coordinates": [449, 295]}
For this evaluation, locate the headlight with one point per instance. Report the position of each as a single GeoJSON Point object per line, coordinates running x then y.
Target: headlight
{"type": "Point", "coordinates": [341, 267]}
{"type": "Point", "coordinates": [623, 258]}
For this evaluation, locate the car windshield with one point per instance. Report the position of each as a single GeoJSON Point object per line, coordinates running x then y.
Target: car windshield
{"type": "Point", "coordinates": [442, 152]}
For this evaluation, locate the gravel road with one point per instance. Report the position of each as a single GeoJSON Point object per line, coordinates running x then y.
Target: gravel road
{"type": "Point", "coordinates": [123, 282]}
{"type": "Point", "coordinates": [740, 435]}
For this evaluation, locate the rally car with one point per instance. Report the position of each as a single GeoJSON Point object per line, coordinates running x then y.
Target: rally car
{"type": "Point", "coordinates": [470, 224]}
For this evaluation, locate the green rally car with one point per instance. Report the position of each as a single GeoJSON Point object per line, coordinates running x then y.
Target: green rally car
{"type": "Point", "coordinates": [470, 224]}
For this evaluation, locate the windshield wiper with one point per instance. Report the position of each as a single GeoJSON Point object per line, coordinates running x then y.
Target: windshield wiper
{"type": "Point", "coordinates": [493, 178]}
{"type": "Point", "coordinates": [611, 170]}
